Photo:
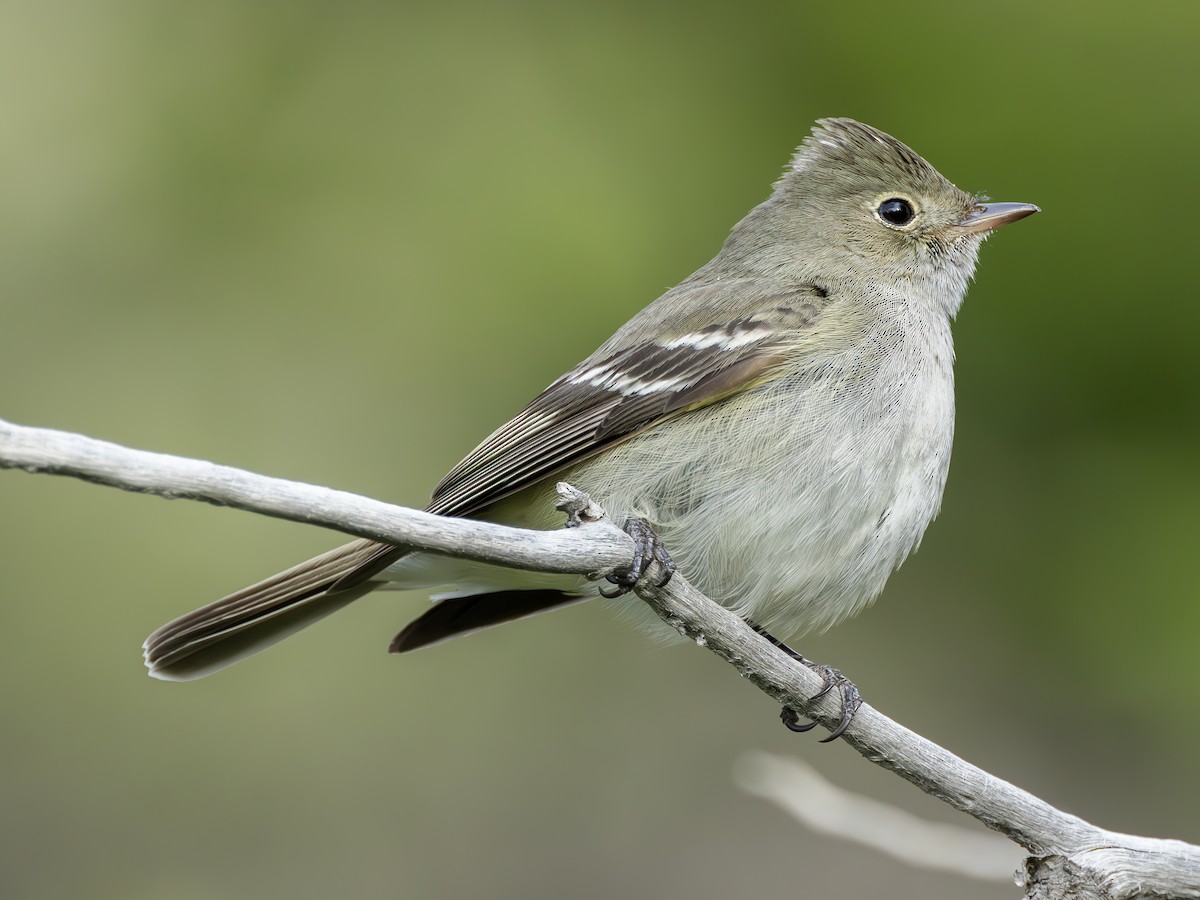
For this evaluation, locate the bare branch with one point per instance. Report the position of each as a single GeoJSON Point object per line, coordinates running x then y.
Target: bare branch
{"type": "Point", "coordinates": [1069, 857]}
{"type": "Point", "coordinates": [50, 452]}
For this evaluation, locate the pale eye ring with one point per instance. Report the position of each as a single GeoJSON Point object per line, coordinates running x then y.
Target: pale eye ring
{"type": "Point", "coordinates": [896, 211]}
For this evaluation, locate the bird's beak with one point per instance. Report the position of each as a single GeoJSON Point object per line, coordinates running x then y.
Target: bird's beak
{"type": "Point", "coordinates": [987, 217]}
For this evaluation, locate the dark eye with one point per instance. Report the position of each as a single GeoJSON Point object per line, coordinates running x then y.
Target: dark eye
{"type": "Point", "coordinates": [896, 211]}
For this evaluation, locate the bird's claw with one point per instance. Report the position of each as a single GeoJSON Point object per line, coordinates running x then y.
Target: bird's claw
{"type": "Point", "coordinates": [647, 549]}
{"type": "Point", "coordinates": [831, 678]}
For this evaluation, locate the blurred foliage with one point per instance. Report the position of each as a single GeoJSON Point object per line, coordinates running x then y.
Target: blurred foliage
{"type": "Point", "coordinates": [341, 242]}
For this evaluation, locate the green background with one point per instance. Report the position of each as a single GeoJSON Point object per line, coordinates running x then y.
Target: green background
{"type": "Point", "coordinates": [341, 242]}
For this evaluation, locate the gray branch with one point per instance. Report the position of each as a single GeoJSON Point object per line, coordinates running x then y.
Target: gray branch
{"type": "Point", "coordinates": [1068, 857]}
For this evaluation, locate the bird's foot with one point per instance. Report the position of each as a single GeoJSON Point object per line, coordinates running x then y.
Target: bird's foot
{"type": "Point", "coordinates": [648, 549]}
{"type": "Point", "coordinates": [831, 678]}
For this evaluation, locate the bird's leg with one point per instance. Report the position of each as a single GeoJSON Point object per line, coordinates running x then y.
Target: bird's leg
{"type": "Point", "coordinates": [830, 677]}
{"type": "Point", "coordinates": [647, 549]}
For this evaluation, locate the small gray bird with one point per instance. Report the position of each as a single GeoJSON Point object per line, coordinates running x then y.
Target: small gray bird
{"type": "Point", "coordinates": [781, 420]}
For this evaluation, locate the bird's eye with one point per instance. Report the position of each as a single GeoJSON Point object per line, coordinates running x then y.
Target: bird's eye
{"type": "Point", "coordinates": [896, 211]}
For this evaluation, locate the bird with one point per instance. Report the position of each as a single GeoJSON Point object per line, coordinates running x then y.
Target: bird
{"type": "Point", "coordinates": [778, 425]}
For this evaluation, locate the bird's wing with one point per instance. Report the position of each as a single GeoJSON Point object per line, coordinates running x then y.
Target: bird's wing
{"type": "Point", "coordinates": [611, 397]}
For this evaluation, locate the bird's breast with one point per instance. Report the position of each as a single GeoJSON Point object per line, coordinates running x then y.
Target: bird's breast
{"type": "Point", "coordinates": [793, 502]}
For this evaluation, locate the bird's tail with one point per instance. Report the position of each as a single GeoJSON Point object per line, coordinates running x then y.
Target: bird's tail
{"type": "Point", "coordinates": [240, 625]}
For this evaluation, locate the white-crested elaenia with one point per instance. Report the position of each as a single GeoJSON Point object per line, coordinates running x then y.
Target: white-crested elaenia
{"type": "Point", "coordinates": [781, 420]}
